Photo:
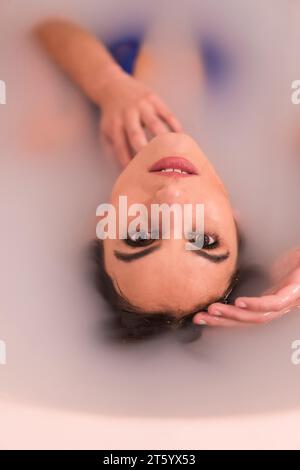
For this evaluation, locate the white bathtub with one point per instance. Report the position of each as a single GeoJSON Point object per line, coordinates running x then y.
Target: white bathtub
{"type": "Point", "coordinates": [64, 385]}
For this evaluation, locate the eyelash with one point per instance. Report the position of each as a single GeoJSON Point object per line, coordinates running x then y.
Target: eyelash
{"type": "Point", "coordinates": [148, 241]}
{"type": "Point", "coordinates": [213, 245]}
{"type": "Point", "coordinates": [139, 242]}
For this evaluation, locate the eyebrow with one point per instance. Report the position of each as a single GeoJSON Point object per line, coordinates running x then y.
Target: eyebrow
{"type": "Point", "coordinates": [213, 258]}
{"type": "Point", "coordinates": [128, 257]}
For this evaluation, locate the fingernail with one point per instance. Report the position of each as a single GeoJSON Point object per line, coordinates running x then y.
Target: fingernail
{"type": "Point", "coordinates": [201, 322]}
{"type": "Point", "coordinates": [241, 304]}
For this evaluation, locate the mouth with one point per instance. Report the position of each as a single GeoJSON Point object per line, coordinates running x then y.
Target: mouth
{"type": "Point", "coordinates": [174, 166]}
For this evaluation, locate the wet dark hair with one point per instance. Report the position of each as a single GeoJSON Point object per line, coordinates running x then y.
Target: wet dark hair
{"type": "Point", "coordinates": [129, 323]}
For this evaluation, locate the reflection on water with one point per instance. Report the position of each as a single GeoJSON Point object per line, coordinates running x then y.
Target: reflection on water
{"type": "Point", "coordinates": [54, 175]}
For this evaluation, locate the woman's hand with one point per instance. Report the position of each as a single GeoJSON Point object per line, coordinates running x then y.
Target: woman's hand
{"type": "Point", "coordinates": [282, 298]}
{"type": "Point", "coordinates": [128, 108]}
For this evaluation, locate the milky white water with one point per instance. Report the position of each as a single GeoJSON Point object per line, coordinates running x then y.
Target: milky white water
{"type": "Point", "coordinates": [53, 176]}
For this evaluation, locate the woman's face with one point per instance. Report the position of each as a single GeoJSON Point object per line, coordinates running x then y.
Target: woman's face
{"type": "Point", "coordinates": [164, 276]}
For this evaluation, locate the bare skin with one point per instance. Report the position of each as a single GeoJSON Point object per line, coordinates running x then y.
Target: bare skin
{"type": "Point", "coordinates": [171, 278]}
{"type": "Point", "coordinates": [130, 107]}
{"type": "Point", "coordinates": [283, 297]}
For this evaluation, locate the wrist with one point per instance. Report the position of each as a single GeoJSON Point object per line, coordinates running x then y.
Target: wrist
{"type": "Point", "coordinates": [111, 73]}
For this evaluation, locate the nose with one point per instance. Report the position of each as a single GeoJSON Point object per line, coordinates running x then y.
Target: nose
{"type": "Point", "coordinates": [170, 194]}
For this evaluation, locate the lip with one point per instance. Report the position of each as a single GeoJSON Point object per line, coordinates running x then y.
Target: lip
{"type": "Point", "coordinates": [178, 163]}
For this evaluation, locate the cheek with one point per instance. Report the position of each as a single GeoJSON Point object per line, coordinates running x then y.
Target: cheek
{"type": "Point", "coordinates": [129, 187]}
{"type": "Point", "coordinates": [132, 193]}
{"type": "Point", "coordinates": [204, 190]}
{"type": "Point", "coordinates": [218, 209]}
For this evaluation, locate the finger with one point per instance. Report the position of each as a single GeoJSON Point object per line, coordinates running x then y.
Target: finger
{"type": "Point", "coordinates": [163, 111]}
{"type": "Point", "coordinates": [210, 320]}
{"type": "Point", "coordinates": [120, 146]}
{"type": "Point", "coordinates": [105, 135]}
{"type": "Point", "coordinates": [241, 315]}
{"type": "Point", "coordinates": [152, 121]}
{"type": "Point", "coordinates": [281, 300]}
{"type": "Point", "coordinates": [108, 147]}
{"type": "Point", "coordinates": [135, 132]}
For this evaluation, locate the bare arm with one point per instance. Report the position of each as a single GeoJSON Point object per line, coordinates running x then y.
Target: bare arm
{"type": "Point", "coordinates": [127, 105]}
{"type": "Point", "coordinates": [79, 54]}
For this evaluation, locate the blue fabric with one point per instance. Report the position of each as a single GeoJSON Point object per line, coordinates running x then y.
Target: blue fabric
{"type": "Point", "coordinates": [125, 50]}
{"type": "Point", "coordinates": [217, 62]}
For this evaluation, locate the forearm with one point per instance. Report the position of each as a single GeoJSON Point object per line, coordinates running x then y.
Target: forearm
{"type": "Point", "coordinates": [80, 55]}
